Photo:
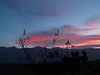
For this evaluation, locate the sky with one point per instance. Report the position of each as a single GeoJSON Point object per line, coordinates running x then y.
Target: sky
{"type": "Point", "coordinates": [76, 20]}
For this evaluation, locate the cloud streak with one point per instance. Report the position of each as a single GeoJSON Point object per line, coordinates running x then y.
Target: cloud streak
{"type": "Point", "coordinates": [44, 38]}
{"type": "Point", "coordinates": [38, 8]}
{"type": "Point", "coordinates": [93, 22]}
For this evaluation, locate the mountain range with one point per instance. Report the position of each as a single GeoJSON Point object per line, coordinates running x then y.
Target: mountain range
{"type": "Point", "coordinates": [16, 55]}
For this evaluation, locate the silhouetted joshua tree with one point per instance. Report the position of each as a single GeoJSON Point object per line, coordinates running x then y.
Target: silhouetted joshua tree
{"type": "Point", "coordinates": [23, 42]}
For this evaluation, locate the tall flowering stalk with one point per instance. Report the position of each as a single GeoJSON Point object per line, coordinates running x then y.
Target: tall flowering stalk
{"type": "Point", "coordinates": [23, 42]}
{"type": "Point", "coordinates": [55, 38]}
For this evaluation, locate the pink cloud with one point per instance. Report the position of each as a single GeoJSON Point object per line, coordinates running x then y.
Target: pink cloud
{"type": "Point", "coordinates": [68, 29]}
{"type": "Point", "coordinates": [93, 22]}
{"type": "Point", "coordinates": [65, 32]}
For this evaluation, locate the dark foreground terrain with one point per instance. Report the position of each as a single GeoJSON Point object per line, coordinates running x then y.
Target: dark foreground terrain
{"type": "Point", "coordinates": [91, 68]}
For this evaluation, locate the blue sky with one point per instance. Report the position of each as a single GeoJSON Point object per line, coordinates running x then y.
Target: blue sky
{"type": "Point", "coordinates": [80, 18]}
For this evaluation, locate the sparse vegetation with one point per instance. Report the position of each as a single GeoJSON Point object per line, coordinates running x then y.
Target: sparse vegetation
{"type": "Point", "coordinates": [53, 62]}
{"type": "Point", "coordinates": [54, 39]}
{"type": "Point", "coordinates": [23, 42]}
{"type": "Point", "coordinates": [54, 55]}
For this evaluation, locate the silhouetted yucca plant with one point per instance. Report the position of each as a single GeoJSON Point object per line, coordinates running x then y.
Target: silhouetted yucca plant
{"type": "Point", "coordinates": [23, 42]}
{"type": "Point", "coordinates": [68, 44]}
{"type": "Point", "coordinates": [55, 38]}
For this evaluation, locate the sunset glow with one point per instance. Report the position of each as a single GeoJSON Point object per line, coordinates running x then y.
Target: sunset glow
{"type": "Point", "coordinates": [76, 20]}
